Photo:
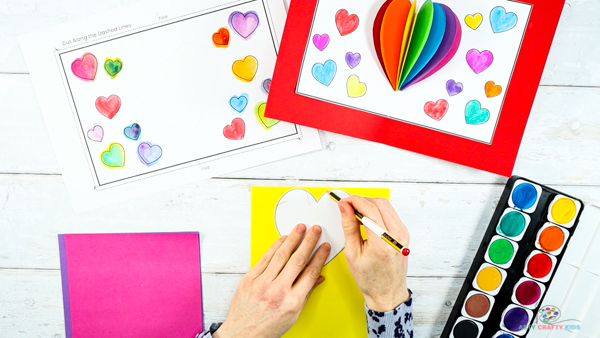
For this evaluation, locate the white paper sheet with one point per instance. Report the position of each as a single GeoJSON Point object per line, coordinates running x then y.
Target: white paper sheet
{"type": "Point", "coordinates": [174, 82]}
{"type": "Point", "coordinates": [409, 105]}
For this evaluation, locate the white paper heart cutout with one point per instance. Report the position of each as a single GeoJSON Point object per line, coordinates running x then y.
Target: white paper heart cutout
{"type": "Point", "coordinates": [176, 89]}
{"type": "Point", "coordinates": [299, 206]}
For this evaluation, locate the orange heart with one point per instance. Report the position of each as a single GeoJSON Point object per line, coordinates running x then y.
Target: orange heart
{"type": "Point", "coordinates": [221, 38]}
{"type": "Point", "coordinates": [492, 90]}
{"type": "Point", "coordinates": [245, 69]}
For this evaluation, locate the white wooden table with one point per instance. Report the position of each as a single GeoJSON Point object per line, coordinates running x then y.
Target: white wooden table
{"type": "Point", "coordinates": [446, 207]}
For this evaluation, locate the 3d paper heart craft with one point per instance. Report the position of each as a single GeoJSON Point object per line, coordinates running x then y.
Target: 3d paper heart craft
{"type": "Point", "coordinates": [413, 46]}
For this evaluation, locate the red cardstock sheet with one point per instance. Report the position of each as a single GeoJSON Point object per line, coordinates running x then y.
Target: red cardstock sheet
{"type": "Point", "coordinates": [497, 156]}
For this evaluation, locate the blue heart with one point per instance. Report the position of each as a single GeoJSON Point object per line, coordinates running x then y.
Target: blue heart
{"type": "Point", "coordinates": [502, 21]}
{"type": "Point", "coordinates": [239, 103]}
{"type": "Point", "coordinates": [474, 114]}
{"type": "Point", "coordinates": [133, 131]}
{"type": "Point", "coordinates": [324, 73]}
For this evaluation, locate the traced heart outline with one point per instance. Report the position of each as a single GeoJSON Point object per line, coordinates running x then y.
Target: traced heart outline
{"type": "Point", "coordinates": [239, 103]}
{"type": "Point", "coordinates": [245, 68]}
{"type": "Point", "coordinates": [346, 23]}
{"type": "Point", "coordinates": [265, 122]}
{"type": "Point", "coordinates": [236, 130]}
{"type": "Point", "coordinates": [501, 20]}
{"type": "Point", "coordinates": [85, 67]}
{"type": "Point", "coordinates": [294, 207]}
{"type": "Point", "coordinates": [96, 133]}
{"type": "Point", "coordinates": [436, 110]}
{"type": "Point", "coordinates": [325, 72]}
{"type": "Point", "coordinates": [221, 38]}
{"type": "Point", "coordinates": [113, 67]}
{"type": "Point", "coordinates": [108, 107]}
{"type": "Point", "coordinates": [244, 24]}
{"type": "Point", "coordinates": [321, 41]}
{"type": "Point", "coordinates": [145, 152]}
{"type": "Point", "coordinates": [131, 131]}
{"type": "Point", "coordinates": [115, 151]}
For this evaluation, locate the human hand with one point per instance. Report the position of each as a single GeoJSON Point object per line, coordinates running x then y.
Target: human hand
{"type": "Point", "coordinates": [378, 269]}
{"type": "Point", "coordinates": [272, 294]}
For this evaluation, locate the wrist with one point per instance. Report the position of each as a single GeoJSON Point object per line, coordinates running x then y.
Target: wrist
{"type": "Point", "coordinates": [387, 302]}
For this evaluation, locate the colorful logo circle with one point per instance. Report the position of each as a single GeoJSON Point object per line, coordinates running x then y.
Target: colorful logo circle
{"type": "Point", "coordinates": [549, 314]}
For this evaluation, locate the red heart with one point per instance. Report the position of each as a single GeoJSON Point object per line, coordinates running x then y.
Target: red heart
{"type": "Point", "coordinates": [108, 107]}
{"type": "Point", "coordinates": [436, 110]}
{"type": "Point", "coordinates": [221, 38]}
{"type": "Point", "coordinates": [236, 130]}
{"type": "Point", "coordinates": [345, 23]}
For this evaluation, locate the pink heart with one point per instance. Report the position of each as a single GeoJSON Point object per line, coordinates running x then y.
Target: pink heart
{"type": "Point", "coordinates": [321, 41]}
{"type": "Point", "coordinates": [244, 23]}
{"type": "Point", "coordinates": [108, 107]}
{"type": "Point", "coordinates": [236, 130]}
{"type": "Point", "coordinates": [479, 61]}
{"type": "Point", "coordinates": [85, 67]}
{"type": "Point", "coordinates": [96, 134]}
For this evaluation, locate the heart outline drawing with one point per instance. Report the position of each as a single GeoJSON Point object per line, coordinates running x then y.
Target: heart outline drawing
{"type": "Point", "coordinates": [245, 68]}
{"type": "Point", "coordinates": [354, 87]}
{"type": "Point", "coordinates": [244, 24]}
{"type": "Point", "coordinates": [239, 103]}
{"type": "Point", "coordinates": [96, 133]}
{"type": "Point", "coordinates": [492, 89]}
{"type": "Point", "coordinates": [149, 153]}
{"type": "Point", "coordinates": [473, 21]}
{"type": "Point", "coordinates": [85, 67]}
{"type": "Point", "coordinates": [436, 110]}
{"type": "Point", "coordinates": [475, 114]}
{"type": "Point", "coordinates": [479, 61]}
{"type": "Point", "coordinates": [236, 130]}
{"type": "Point", "coordinates": [133, 131]}
{"type": "Point", "coordinates": [266, 85]}
{"type": "Point", "coordinates": [353, 59]}
{"type": "Point", "coordinates": [108, 107]}
{"type": "Point", "coordinates": [300, 206]}
{"type": "Point", "coordinates": [321, 41]}
{"type": "Point", "coordinates": [265, 122]}
{"type": "Point", "coordinates": [501, 20]}
{"type": "Point", "coordinates": [454, 88]}
{"type": "Point", "coordinates": [346, 23]}
{"type": "Point", "coordinates": [114, 156]}
{"type": "Point", "coordinates": [113, 67]}
{"type": "Point", "coordinates": [325, 72]}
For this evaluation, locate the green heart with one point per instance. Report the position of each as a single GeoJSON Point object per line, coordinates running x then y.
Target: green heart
{"type": "Point", "coordinates": [474, 114]}
{"type": "Point", "coordinates": [114, 156]}
{"type": "Point", "coordinates": [265, 122]}
{"type": "Point", "coordinates": [113, 67]}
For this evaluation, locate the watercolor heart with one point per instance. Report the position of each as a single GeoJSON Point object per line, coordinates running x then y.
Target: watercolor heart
{"type": "Point", "coordinates": [492, 90]}
{"type": "Point", "coordinates": [436, 110]}
{"type": "Point", "coordinates": [267, 85]}
{"type": "Point", "coordinates": [353, 59]}
{"type": "Point", "coordinates": [114, 156]}
{"type": "Point", "coordinates": [299, 206]}
{"type": "Point", "coordinates": [321, 41]}
{"type": "Point", "coordinates": [133, 131]}
{"type": "Point", "coordinates": [479, 61]}
{"type": "Point", "coordinates": [113, 67]}
{"type": "Point", "coordinates": [221, 38]}
{"type": "Point", "coordinates": [85, 67]}
{"type": "Point", "coordinates": [244, 24]}
{"type": "Point", "coordinates": [157, 85]}
{"type": "Point", "coordinates": [453, 87]}
{"type": "Point", "coordinates": [264, 121]}
{"type": "Point", "coordinates": [239, 103]}
{"type": "Point", "coordinates": [474, 114]}
{"type": "Point", "coordinates": [501, 20]}
{"type": "Point", "coordinates": [96, 134]}
{"type": "Point", "coordinates": [324, 72]}
{"type": "Point", "coordinates": [149, 153]}
{"type": "Point", "coordinates": [346, 23]}
{"type": "Point", "coordinates": [236, 130]}
{"type": "Point", "coordinates": [354, 87]}
{"type": "Point", "coordinates": [474, 21]}
{"type": "Point", "coordinates": [108, 107]}
{"type": "Point", "coordinates": [245, 69]}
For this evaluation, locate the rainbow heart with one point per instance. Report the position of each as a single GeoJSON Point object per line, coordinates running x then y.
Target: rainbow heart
{"type": "Point", "coordinates": [413, 46]}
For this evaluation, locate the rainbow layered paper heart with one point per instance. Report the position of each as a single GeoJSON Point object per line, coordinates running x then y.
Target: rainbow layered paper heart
{"type": "Point", "coordinates": [412, 46]}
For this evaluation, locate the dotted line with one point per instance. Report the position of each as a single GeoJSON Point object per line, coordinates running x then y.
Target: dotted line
{"type": "Point", "coordinates": [201, 163]}
{"type": "Point", "coordinates": [274, 31]}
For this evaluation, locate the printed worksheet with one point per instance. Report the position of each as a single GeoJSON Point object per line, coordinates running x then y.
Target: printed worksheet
{"type": "Point", "coordinates": [159, 94]}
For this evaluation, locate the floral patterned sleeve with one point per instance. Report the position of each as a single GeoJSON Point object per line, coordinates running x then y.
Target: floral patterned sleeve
{"type": "Point", "coordinates": [397, 323]}
{"type": "Point", "coordinates": [208, 333]}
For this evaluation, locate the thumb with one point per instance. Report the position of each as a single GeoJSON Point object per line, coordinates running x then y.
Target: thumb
{"type": "Point", "coordinates": [351, 228]}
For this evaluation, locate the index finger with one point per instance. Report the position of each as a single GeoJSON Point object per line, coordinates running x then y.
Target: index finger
{"type": "Point", "coordinates": [366, 208]}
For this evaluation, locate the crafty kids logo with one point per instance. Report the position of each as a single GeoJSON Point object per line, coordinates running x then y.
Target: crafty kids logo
{"type": "Point", "coordinates": [548, 319]}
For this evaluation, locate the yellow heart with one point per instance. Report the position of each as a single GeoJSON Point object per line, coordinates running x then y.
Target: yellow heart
{"type": "Point", "coordinates": [264, 121]}
{"type": "Point", "coordinates": [245, 69]}
{"type": "Point", "coordinates": [355, 87]}
{"type": "Point", "coordinates": [474, 21]}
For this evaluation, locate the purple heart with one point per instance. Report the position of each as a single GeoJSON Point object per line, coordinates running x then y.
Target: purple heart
{"type": "Point", "coordinates": [453, 87]}
{"type": "Point", "coordinates": [96, 134]}
{"type": "Point", "coordinates": [244, 24]}
{"type": "Point", "coordinates": [479, 61]}
{"type": "Point", "coordinates": [353, 59]}
{"type": "Point", "coordinates": [133, 132]}
{"type": "Point", "coordinates": [149, 154]}
{"type": "Point", "coordinates": [267, 85]}
{"type": "Point", "coordinates": [321, 41]}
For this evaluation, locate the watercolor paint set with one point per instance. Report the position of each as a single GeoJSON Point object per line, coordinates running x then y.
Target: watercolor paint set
{"type": "Point", "coordinates": [527, 267]}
